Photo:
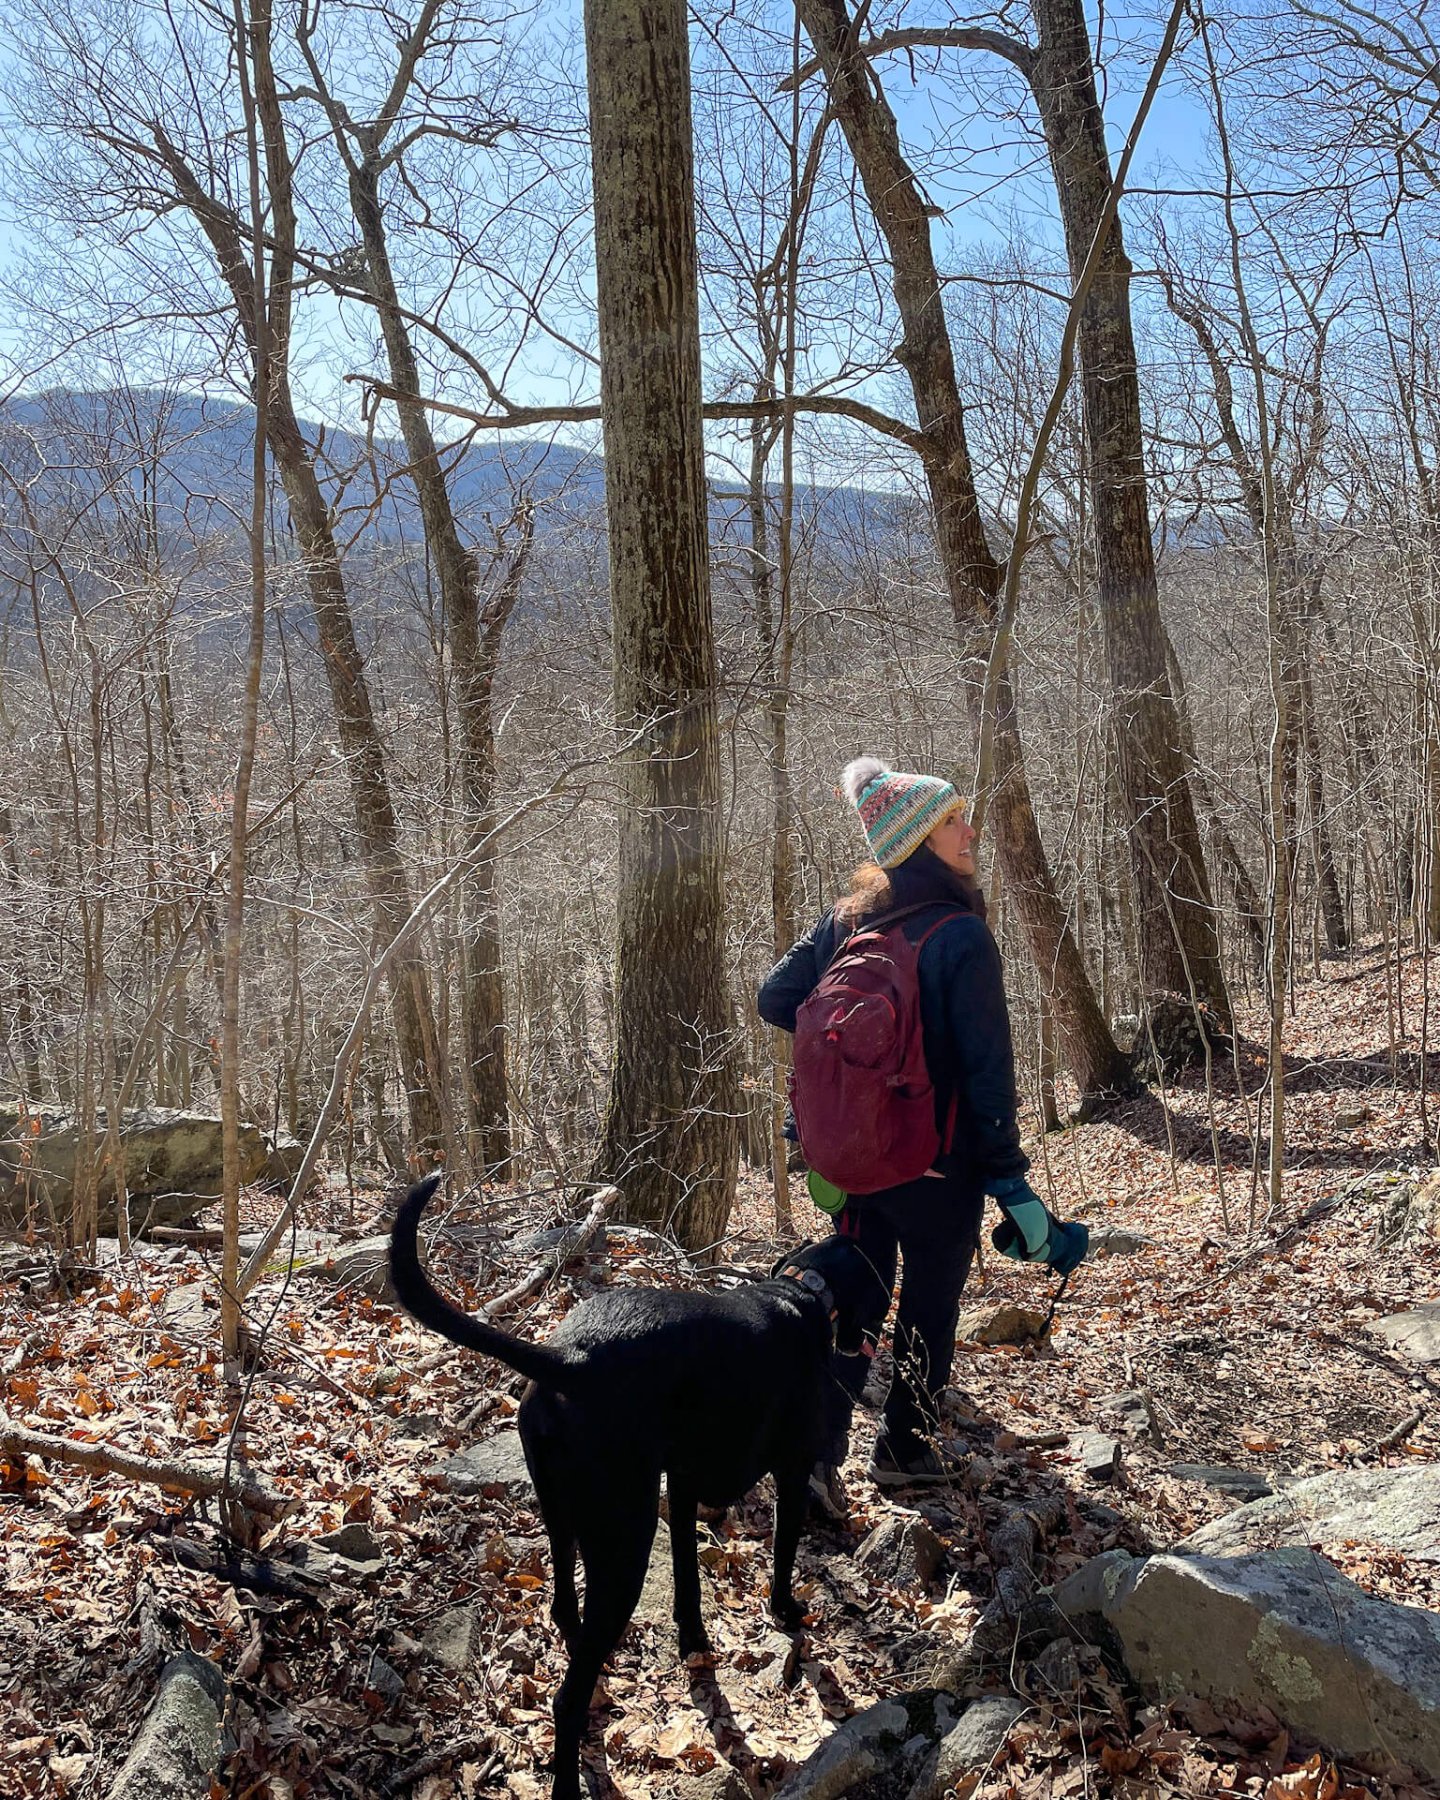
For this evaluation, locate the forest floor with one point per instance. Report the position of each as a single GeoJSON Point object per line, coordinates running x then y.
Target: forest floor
{"type": "Point", "coordinates": [1249, 1335]}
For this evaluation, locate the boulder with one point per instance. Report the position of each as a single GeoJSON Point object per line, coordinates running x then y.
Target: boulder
{"type": "Point", "coordinates": [884, 1749]}
{"type": "Point", "coordinates": [1003, 1323]}
{"type": "Point", "coordinates": [1399, 1508]}
{"type": "Point", "coordinates": [172, 1164]}
{"type": "Point", "coordinates": [1278, 1628]}
{"type": "Point", "coordinates": [495, 1469]}
{"type": "Point", "coordinates": [970, 1746]}
{"type": "Point", "coordinates": [1415, 1334]}
{"type": "Point", "coordinates": [177, 1748]}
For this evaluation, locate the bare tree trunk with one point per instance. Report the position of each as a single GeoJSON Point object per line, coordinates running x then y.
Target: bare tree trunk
{"type": "Point", "coordinates": [669, 1140]}
{"type": "Point", "coordinates": [377, 829]}
{"type": "Point", "coordinates": [972, 575]}
{"type": "Point", "coordinates": [473, 655]}
{"type": "Point", "coordinates": [1179, 949]}
{"type": "Point", "coordinates": [23, 1015]}
{"type": "Point", "coordinates": [252, 40]}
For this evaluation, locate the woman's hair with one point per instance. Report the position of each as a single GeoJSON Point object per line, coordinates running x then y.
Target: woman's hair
{"type": "Point", "coordinates": [921, 877]}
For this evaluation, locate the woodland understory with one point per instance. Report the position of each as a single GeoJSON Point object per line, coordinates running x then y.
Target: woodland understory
{"type": "Point", "coordinates": [1249, 1337]}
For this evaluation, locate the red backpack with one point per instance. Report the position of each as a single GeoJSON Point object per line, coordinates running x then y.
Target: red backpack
{"type": "Point", "coordinates": [862, 1096]}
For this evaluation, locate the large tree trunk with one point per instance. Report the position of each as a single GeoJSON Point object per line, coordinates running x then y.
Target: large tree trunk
{"type": "Point", "coordinates": [472, 656]}
{"type": "Point", "coordinates": [972, 575]}
{"type": "Point", "coordinates": [1179, 947]}
{"type": "Point", "coordinates": [669, 1140]}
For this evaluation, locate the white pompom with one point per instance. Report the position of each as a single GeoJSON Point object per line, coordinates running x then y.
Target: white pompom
{"type": "Point", "coordinates": [856, 776]}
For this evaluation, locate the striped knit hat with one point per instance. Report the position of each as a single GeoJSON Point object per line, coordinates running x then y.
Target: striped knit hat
{"type": "Point", "coordinates": [898, 811]}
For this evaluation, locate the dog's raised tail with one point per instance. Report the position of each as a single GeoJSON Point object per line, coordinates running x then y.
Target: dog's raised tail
{"type": "Point", "coordinates": [423, 1301]}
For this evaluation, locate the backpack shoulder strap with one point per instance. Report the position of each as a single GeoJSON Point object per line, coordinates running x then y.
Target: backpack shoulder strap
{"type": "Point", "coordinates": [883, 921]}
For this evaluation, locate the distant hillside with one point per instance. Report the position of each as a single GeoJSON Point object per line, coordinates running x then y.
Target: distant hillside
{"type": "Point", "coordinates": [110, 447]}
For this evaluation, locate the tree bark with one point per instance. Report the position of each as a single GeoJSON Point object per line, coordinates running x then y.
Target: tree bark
{"type": "Point", "coordinates": [472, 658]}
{"type": "Point", "coordinates": [1179, 945]}
{"type": "Point", "coordinates": [669, 1140]}
{"type": "Point", "coordinates": [972, 575]}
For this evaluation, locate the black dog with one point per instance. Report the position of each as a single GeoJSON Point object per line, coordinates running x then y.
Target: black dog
{"type": "Point", "coordinates": [712, 1390]}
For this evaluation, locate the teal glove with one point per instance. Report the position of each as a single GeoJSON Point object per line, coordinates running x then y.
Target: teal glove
{"type": "Point", "coordinates": [1029, 1232]}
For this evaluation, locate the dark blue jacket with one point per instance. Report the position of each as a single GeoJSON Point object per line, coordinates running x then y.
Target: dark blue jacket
{"type": "Point", "coordinates": [963, 1012]}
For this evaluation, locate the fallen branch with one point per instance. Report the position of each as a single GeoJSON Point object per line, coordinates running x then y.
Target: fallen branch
{"type": "Point", "coordinates": [461, 1750]}
{"type": "Point", "coordinates": [575, 1242]}
{"type": "Point", "coordinates": [206, 1481]}
{"type": "Point", "coordinates": [1393, 1439]}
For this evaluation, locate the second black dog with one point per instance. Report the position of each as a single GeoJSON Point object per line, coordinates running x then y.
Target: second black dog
{"type": "Point", "coordinates": [712, 1390]}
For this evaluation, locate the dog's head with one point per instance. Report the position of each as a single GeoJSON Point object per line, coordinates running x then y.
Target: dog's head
{"type": "Point", "coordinates": [858, 1295]}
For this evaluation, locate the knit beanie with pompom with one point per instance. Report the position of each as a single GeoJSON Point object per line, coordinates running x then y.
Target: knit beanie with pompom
{"type": "Point", "coordinates": [898, 811]}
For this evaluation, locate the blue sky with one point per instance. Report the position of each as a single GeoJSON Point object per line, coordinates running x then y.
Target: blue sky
{"type": "Point", "coordinates": [993, 185]}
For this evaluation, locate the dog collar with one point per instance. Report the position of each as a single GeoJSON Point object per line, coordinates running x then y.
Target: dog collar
{"type": "Point", "coordinates": [815, 1283]}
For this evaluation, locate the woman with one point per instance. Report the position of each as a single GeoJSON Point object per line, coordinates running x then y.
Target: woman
{"type": "Point", "coordinates": [924, 859]}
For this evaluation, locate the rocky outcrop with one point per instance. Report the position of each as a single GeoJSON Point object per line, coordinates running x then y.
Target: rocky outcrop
{"type": "Point", "coordinates": [172, 1165]}
{"type": "Point", "coordinates": [1415, 1334]}
{"type": "Point", "coordinates": [1397, 1508]}
{"type": "Point", "coordinates": [1276, 1628]}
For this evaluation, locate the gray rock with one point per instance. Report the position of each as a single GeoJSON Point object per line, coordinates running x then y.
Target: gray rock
{"type": "Point", "coordinates": [1350, 1118]}
{"type": "Point", "coordinates": [970, 1745]}
{"type": "Point", "coordinates": [1098, 1455]}
{"type": "Point", "coordinates": [381, 1679]}
{"type": "Point", "coordinates": [1003, 1323]}
{"type": "Point", "coordinates": [495, 1469]}
{"type": "Point", "coordinates": [172, 1164]}
{"type": "Point", "coordinates": [184, 1310]}
{"type": "Point", "coordinates": [1244, 1484]}
{"type": "Point", "coordinates": [888, 1745]}
{"type": "Point", "coordinates": [363, 1267]}
{"type": "Point", "coordinates": [355, 1544]}
{"type": "Point", "coordinates": [1130, 1405]}
{"type": "Point", "coordinates": [1281, 1629]}
{"type": "Point", "coordinates": [778, 1657]}
{"type": "Point", "coordinates": [903, 1550]}
{"type": "Point", "coordinates": [1115, 1240]}
{"type": "Point", "coordinates": [1415, 1334]}
{"type": "Point", "coordinates": [656, 1606]}
{"type": "Point", "coordinates": [1055, 1670]}
{"type": "Point", "coordinates": [177, 1749]}
{"type": "Point", "coordinates": [450, 1640]}
{"type": "Point", "coordinates": [282, 1164]}
{"type": "Point", "coordinates": [720, 1783]}
{"type": "Point", "coordinates": [1399, 1508]}
{"type": "Point", "coordinates": [1411, 1214]}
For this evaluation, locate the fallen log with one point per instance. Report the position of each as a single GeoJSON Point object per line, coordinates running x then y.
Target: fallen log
{"type": "Point", "coordinates": [206, 1481]}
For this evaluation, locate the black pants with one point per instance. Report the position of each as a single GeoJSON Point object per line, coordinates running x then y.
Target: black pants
{"type": "Point", "coordinates": [932, 1226]}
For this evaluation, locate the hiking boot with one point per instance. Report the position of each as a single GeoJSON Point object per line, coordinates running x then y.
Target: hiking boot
{"type": "Point", "coordinates": [828, 1499]}
{"type": "Point", "coordinates": [921, 1464]}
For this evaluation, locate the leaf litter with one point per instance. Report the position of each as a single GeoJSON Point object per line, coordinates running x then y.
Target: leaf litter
{"type": "Point", "coordinates": [1249, 1347]}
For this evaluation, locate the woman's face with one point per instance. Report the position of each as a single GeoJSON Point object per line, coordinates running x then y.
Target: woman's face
{"type": "Point", "coordinates": [953, 841]}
